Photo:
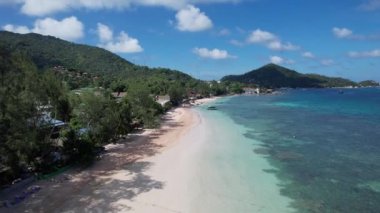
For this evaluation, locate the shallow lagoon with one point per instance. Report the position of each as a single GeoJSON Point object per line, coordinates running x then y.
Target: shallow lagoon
{"type": "Point", "coordinates": [322, 147]}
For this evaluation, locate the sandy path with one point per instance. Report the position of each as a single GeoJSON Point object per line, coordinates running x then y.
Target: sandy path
{"type": "Point", "coordinates": [144, 173]}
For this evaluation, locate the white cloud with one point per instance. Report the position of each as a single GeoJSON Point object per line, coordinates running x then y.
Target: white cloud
{"type": "Point", "coordinates": [212, 54]}
{"type": "Point", "coordinates": [276, 60]}
{"type": "Point", "coordinates": [192, 19]}
{"type": "Point", "coordinates": [44, 7]}
{"type": "Point", "coordinates": [279, 60]}
{"type": "Point", "coordinates": [104, 32]}
{"type": "Point", "coordinates": [270, 40]}
{"type": "Point", "coordinates": [122, 44]}
{"type": "Point", "coordinates": [68, 28]}
{"type": "Point", "coordinates": [259, 36]}
{"type": "Point", "coordinates": [327, 62]}
{"type": "Point", "coordinates": [365, 54]}
{"type": "Point", "coordinates": [341, 32]}
{"type": "Point", "coordinates": [308, 55]}
{"type": "Point", "coordinates": [16, 29]}
{"type": "Point", "coordinates": [278, 45]}
{"type": "Point", "coordinates": [349, 34]}
{"type": "Point", "coordinates": [370, 5]}
{"type": "Point", "coordinates": [48, 7]}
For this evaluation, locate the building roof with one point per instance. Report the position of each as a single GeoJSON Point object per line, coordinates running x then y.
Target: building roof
{"type": "Point", "coordinates": [46, 120]}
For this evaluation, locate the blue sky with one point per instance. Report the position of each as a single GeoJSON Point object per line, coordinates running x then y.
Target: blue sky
{"type": "Point", "coordinates": [211, 38]}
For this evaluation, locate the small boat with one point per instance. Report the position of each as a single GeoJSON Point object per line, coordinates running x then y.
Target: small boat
{"type": "Point", "coordinates": [211, 108]}
{"type": "Point", "coordinates": [340, 92]}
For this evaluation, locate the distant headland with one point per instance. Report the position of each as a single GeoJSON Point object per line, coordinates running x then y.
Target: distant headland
{"type": "Point", "coordinates": [275, 76]}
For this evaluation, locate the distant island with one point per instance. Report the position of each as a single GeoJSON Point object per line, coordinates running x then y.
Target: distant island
{"type": "Point", "coordinates": [369, 83]}
{"type": "Point", "coordinates": [275, 76]}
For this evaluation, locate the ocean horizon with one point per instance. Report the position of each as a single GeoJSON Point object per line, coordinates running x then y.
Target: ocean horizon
{"type": "Point", "coordinates": [303, 150]}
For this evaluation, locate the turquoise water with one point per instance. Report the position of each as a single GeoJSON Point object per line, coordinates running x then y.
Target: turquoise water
{"type": "Point", "coordinates": [229, 175]}
{"type": "Point", "coordinates": [319, 150]}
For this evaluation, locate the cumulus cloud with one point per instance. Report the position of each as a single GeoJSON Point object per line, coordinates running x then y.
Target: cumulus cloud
{"type": "Point", "coordinates": [278, 45]}
{"type": "Point", "coordinates": [44, 7]}
{"type": "Point", "coordinates": [342, 32]}
{"type": "Point", "coordinates": [349, 34]}
{"type": "Point", "coordinates": [308, 55]}
{"type": "Point", "coordinates": [16, 29]}
{"type": "Point", "coordinates": [279, 60]}
{"type": "Point", "coordinates": [192, 19]}
{"type": "Point", "coordinates": [260, 36]}
{"type": "Point", "coordinates": [48, 7]}
{"type": "Point", "coordinates": [104, 32]}
{"type": "Point", "coordinates": [365, 54]}
{"type": "Point", "coordinates": [121, 44]}
{"type": "Point", "coordinates": [70, 28]}
{"type": "Point", "coordinates": [212, 54]}
{"type": "Point", "coordinates": [370, 5]}
{"type": "Point", "coordinates": [276, 60]}
{"type": "Point", "coordinates": [270, 40]}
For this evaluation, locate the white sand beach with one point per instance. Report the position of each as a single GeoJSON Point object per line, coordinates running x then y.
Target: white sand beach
{"type": "Point", "coordinates": [191, 164]}
{"type": "Point", "coordinates": [145, 173]}
{"type": "Point", "coordinates": [205, 100]}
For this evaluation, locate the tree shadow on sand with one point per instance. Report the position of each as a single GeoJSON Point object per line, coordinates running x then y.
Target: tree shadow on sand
{"type": "Point", "coordinates": [104, 187]}
{"type": "Point", "coordinates": [106, 195]}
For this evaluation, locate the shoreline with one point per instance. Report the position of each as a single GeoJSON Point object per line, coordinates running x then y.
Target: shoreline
{"type": "Point", "coordinates": [115, 181]}
{"type": "Point", "coordinates": [203, 101]}
{"type": "Point", "coordinates": [189, 164]}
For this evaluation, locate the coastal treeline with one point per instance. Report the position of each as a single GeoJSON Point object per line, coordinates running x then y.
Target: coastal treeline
{"type": "Point", "coordinates": [46, 124]}
{"type": "Point", "coordinates": [60, 102]}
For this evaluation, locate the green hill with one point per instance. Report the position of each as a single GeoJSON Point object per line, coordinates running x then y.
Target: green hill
{"type": "Point", "coordinates": [48, 52]}
{"type": "Point", "coordinates": [274, 76]}
{"type": "Point", "coordinates": [369, 83]}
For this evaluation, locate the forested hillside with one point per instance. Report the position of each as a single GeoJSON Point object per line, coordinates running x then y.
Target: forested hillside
{"type": "Point", "coordinates": [42, 116]}
{"type": "Point", "coordinates": [47, 51]}
{"type": "Point", "coordinates": [275, 76]}
{"type": "Point", "coordinates": [100, 66]}
{"type": "Point", "coordinates": [34, 105]}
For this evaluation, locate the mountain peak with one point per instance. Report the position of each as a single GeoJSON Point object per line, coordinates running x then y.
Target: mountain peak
{"type": "Point", "coordinates": [273, 66]}
{"type": "Point", "coordinates": [275, 76]}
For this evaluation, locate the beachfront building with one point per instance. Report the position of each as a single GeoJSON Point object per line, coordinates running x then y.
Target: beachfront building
{"type": "Point", "coordinates": [251, 91]}
{"type": "Point", "coordinates": [45, 120]}
{"type": "Point", "coordinates": [162, 99]}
